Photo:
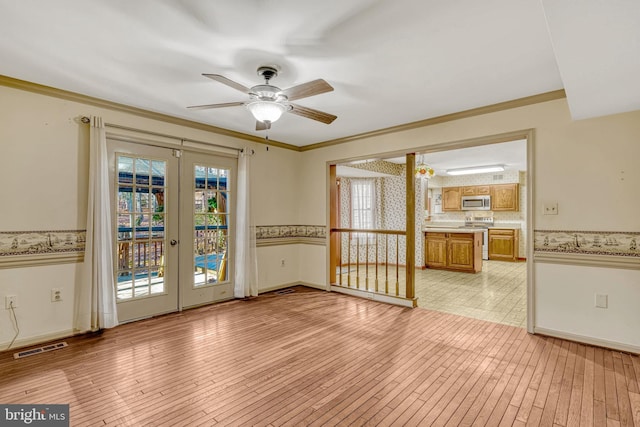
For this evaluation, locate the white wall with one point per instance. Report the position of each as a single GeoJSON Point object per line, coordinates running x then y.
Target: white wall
{"type": "Point", "coordinates": [576, 162]}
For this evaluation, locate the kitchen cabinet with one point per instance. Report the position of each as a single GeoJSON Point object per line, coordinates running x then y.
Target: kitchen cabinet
{"type": "Point", "coordinates": [436, 250]}
{"type": "Point", "coordinates": [451, 199]}
{"type": "Point", "coordinates": [505, 197]}
{"type": "Point", "coordinates": [476, 190]}
{"type": "Point", "coordinates": [457, 251]}
{"type": "Point", "coordinates": [504, 244]}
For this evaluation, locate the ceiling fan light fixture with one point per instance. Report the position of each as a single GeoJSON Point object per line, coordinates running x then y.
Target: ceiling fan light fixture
{"type": "Point", "coordinates": [476, 169]}
{"type": "Point", "coordinates": [266, 111]}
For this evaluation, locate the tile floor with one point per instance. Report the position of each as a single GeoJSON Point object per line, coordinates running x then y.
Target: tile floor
{"type": "Point", "coordinates": [498, 293]}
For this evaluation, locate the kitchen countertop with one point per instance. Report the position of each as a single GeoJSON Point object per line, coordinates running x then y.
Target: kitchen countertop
{"type": "Point", "coordinates": [440, 229]}
{"type": "Point", "coordinates": [460, 226]}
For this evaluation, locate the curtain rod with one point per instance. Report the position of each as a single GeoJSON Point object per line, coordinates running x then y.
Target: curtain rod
{"type": "Point", "coordinates": [86, 120]}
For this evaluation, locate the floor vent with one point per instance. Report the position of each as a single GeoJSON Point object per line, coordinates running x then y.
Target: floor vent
{"type": "Point", "coordinates": [285, 291]}
{"type": "Point", "coordinates": [44, 349]}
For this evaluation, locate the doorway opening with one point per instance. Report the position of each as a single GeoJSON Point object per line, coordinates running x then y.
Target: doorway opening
{"type": "Point", "coordinates": [473, 230]}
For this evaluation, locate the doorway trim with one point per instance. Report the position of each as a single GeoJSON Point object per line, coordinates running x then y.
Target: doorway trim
{"type": "Point", "coordinates": [526, 134]}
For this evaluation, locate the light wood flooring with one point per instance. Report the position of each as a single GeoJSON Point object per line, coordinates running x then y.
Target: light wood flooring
{"type": "Point", "coordinates": [311, 358]}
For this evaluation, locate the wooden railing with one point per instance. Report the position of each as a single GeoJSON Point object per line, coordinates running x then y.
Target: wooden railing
{"type": "Point", "coordinates": [371, 260]}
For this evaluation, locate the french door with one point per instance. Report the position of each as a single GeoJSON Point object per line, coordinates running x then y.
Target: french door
{"type": "Point", "coordinates": [173, 227]}
{"type": "Point", "coordinates": [144, 193]}
{"type": "Point", "coordinates": [206, 228]}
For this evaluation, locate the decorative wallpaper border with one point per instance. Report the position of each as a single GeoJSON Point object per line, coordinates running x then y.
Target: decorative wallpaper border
{"type": "Point", "coordinates": [267, 235]}
{"type": "Point", "coordinates": [610, 243]}
{"type": "Point", "coordinates": [34, 248]}
{"type": "Point", "coordinates": [41, 242]}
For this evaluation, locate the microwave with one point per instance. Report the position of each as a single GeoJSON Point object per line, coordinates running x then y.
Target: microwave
{"type": "Point", "coordinates": [476, 203]}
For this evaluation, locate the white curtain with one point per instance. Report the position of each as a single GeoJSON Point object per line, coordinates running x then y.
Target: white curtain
{"type": "Point", "coordinates": [363, 203]}
{"type": "Point", "coordinates": [246, 265]}
{"type": "Point", "coordinates": [96, 301]}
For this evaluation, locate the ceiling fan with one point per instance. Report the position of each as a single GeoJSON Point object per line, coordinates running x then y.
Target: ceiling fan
{"type": "Point", "coordinates": [267, 102]}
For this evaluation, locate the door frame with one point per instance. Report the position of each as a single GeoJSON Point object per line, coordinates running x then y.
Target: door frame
{"type": "Point", "coordinates": [526, 134]}
{"type": "Point", "coordinates": [179, 146]}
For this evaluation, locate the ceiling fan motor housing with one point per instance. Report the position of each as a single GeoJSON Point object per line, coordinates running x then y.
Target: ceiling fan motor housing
{"type": "Point", "coordinates": [268, 93]}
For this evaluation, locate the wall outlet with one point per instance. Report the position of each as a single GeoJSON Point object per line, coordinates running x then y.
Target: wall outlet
{"type": "Point", "coordinates": [56, 294]}
{"type": "Point", "coordinates": [10, 300]}
{"type": "Point", "coordinates": [550, 209]}
{"type": "Point", "coordinates": [282, 262]}
{"type": "Point", "coordinates": [602, 301]}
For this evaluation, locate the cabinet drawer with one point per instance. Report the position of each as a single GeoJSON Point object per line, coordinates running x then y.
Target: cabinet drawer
{"type": "Point", "coordinates": [501, 231]}
{"type": "Point", "coordinates": [433, 235]}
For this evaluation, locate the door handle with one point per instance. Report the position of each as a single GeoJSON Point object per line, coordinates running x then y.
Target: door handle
{"type": "Point", "coordinates": [173, 242]}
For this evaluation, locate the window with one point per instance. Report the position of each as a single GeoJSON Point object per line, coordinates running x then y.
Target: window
{"type": "Point", "coordinates": [363, 204]}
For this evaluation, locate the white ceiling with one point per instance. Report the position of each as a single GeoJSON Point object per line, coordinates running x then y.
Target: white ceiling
{"type": "Point", "coordinates": [390, 62]}
{"type": "Point", "coordinates": [512, 155]}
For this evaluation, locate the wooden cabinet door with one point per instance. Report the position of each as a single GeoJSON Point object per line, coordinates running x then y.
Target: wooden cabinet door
{"type": "Point", "coordinates": [505, 197]}
{"type": "Point", "coordinates": [502, 245]}
{"type": "Point", "coordinates": [483, 190]}
{"type": "Point", "coordinates": [460, 253]}
{"type": "Point", "coordinates": [469, 191]}
{"type": "Point", "coordinates": [435, 250]}
{"type": "Point", "coordinates": [451, 199]}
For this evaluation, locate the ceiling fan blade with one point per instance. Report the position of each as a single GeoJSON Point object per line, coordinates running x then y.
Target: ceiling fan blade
{"type": "Point", "coordinates": [310, 113]}
{"type": "Point", "coordinates": [228, 82]}
{"type": "Point", "coordinates": [315, 87]}
{"type": "Point", "coordinates": [209, 106]}
{"type": "Point", "coordinates": [262, 125]}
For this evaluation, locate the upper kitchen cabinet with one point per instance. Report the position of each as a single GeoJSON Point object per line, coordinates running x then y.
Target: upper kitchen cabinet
{"type": "Point", "coordinates": [505, 197]}
{"type": "Point", "coordinates": [451, 199]}
{"type": "Point", "coordinates": [476, 190]}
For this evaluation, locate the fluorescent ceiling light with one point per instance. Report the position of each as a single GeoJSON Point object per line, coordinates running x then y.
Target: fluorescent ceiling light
{"type": "Point", "coordinates": [475, 169]}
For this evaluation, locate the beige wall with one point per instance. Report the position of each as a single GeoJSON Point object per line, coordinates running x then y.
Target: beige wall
{"type": "Point", "coordinates": [589, 167]}
{"type": "Point", "coordinates": [43, 186]}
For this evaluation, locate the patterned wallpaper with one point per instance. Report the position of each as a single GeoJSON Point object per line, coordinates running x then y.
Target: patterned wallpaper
{"type": "Point", "coordinates": [390, 216]}
{"type": "Point", "coordinates": [380, 166]}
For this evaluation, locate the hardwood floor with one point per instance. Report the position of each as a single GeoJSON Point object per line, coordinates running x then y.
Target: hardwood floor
{"type": "Point", "coordinates": [312, 358]}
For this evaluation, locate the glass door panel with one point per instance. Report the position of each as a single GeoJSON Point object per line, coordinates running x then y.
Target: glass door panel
{"type": "Point", "coordinates": [209, 223]}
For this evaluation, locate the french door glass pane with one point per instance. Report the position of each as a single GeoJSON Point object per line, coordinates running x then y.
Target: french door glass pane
{"type": "Point", "coordinates": [210, 220]}
{"type": "Point", "coordinates": [141, 219]}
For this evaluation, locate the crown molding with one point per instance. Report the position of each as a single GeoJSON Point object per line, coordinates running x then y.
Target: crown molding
{"type": "Point", "coordinates": [76, 97]}
{"type": "Point", "coordinates": [97, 102]}
{"type": "Point", "coordinates": [501, 106]}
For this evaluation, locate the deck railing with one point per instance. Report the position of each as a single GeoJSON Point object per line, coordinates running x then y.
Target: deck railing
{"type": "Point", "coordinates": [371, 260]}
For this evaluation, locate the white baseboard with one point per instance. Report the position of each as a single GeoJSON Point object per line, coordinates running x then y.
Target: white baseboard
{"type": "Point", "coordinates": [40, 339]}
{"type": "Point", "coordinates": [404, 302]}
{"type": "Point", "coordinates": [588, 340]}
{"type": "Point", "coordinates": [288, 285]}
{"type": "Point", "coordinates": [315, 286]}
